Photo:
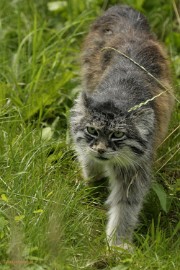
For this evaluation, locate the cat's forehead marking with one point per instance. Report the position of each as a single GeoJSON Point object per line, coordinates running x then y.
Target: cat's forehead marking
{"type": "Point", "coordinates": [104, 120]}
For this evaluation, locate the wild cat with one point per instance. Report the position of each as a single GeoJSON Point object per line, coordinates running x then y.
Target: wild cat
{"type": "Point", "coordinates": [122, 113]}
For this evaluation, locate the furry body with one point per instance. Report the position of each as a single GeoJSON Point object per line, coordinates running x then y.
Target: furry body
{"type": "Point", "coordinates": [111, 137]}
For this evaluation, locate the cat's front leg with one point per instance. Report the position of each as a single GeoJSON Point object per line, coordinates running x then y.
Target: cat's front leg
{"type": "Point", "coordinates": [93, 170]}
{"type": "Point", "coordinates": [121, 223]}
{"type": "Point", "coordinates": [125, 202]}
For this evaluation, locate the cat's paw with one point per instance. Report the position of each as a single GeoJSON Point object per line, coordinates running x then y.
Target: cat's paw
{"type": "Point", "coordinates": [122, 247]}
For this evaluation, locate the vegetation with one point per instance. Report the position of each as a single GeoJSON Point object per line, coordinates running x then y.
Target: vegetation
{"type": "Point", "coordinates": [48, 218]}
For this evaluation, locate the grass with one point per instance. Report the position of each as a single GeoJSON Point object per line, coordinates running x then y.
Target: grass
{"type": "Point", "coordinates": [48, 218]}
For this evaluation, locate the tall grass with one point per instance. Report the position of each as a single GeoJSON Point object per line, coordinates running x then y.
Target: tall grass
{"type": "Point", "coordinates": [48, 218]}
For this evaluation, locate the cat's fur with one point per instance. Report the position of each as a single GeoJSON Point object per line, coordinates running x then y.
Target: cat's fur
{"type": "Point", "coordinates": [111, 137]}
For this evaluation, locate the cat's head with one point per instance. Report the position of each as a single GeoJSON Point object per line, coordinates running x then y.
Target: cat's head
{"type": "Point", "coordinates": [106, 134]}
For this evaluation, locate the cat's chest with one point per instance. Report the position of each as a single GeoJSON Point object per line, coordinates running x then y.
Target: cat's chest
{"type": "Point", "coordinates": [119, 173]}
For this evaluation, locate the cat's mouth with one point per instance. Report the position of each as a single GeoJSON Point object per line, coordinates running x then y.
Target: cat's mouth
{"type": "Point", "coordinates": [98, 156]}
{"type": "Point", "coordinates": [101, 158]}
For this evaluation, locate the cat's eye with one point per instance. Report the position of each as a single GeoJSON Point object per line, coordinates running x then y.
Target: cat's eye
{"type": "Point", "coordinates": [117, 135]}
{"type": "Point", "coordinates": [92, 131]}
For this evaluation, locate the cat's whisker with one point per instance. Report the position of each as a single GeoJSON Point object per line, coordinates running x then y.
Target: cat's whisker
{"type": "Point", "coordinates": [135, 163]}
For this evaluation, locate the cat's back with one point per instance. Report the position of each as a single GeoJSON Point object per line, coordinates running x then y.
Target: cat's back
{"type": "Point", "coordinates": [120, 19]}
{"type": "Point", "coordinates": [120, 51]}
{"type": "Point", "coordinates": [126, 30]}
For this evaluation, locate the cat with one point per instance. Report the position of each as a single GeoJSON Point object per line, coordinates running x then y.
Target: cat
{"type": "Point", "coordinates": [122, 113]}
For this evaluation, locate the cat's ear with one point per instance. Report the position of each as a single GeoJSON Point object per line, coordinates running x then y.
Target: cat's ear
{"type": "Point", "coordinates": [144, 120]}
{"type": "Point", "coordinates": [86, 100]}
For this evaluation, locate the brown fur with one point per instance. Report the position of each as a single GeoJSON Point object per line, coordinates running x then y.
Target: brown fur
{"type": "Point", "coordinates": [95, 63]}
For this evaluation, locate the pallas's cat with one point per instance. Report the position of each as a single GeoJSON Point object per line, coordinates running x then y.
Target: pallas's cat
{"type": "Point", "coordinates": [122, 113]}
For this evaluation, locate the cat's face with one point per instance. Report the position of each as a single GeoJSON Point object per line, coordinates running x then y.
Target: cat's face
{"type": "Point", "coordinates": [106, 144]}
{"type": "Point", "coordinates": [115, 138]}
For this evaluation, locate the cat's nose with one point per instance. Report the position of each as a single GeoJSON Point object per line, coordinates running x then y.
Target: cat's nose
{"type": "Point", "coordinates": [101, 150]}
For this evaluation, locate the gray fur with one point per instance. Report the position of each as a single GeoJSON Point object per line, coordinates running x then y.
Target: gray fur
{"type": "Point", "coordinates": [102, 113]}
{"type": "Point", "coordinates": [128, 171]}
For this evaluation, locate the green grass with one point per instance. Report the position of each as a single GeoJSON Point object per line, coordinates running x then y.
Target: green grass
{"type": "Point", "coordinates": [48, 218]}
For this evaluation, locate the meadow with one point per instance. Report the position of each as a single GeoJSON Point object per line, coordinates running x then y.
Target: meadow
{"type": "Point", "coordinates": [48, 218]}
